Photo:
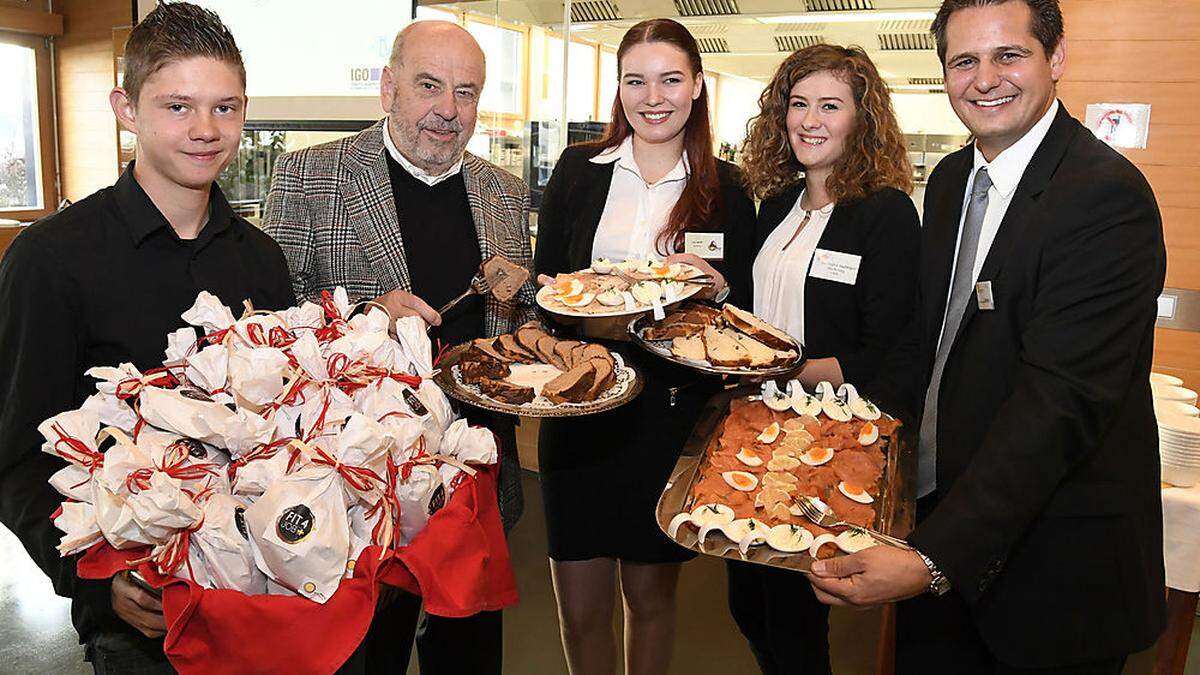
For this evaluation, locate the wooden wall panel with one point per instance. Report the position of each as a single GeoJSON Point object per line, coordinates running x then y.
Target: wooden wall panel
{"type": "Point", "coordinates": [1148, 51]}
{"type": "Point", "coordinates": [87, 135]}
{"type": "Point", "coordinates": [1171, 102]}
{"type": "Point", "coordinates": [1153, 20]}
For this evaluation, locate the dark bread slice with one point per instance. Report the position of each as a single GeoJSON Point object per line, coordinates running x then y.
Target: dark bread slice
{"type": "Point", "coordinates": [757, 328]}
{"type": "Point", "coordinates": [477, 370]}
{"type": "Point", "coordinates": [545, 351]}
{"type": "Point", "coordinates": [606, 377]}
{"type": "Point", "coordinates": [572, 386]}
{"type": "Point", "coordinates": [488, 347]}
{"type": "Point", "coordinates": [507, 345]}
{"type": "Point", "coordinates": [577, 355]}
{"type": "Point", "coordinates": [528, 335]}
{"type": "Point", "coordinates": [668, 331]}
{"type": "Point", "coordinates": [723, 349]}
{"type": "Point", "coordinates": [562, 351]}
{"type": "Point", "coordinates": [595, 351]}
{"type": "Point", "coordinates": [505, 391]}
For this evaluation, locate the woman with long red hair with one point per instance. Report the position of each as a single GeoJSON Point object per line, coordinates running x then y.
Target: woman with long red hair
{"type": "Point", "coordinates": [650, 181]}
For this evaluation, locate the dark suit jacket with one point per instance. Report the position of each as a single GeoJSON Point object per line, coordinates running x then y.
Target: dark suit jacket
{"type": "Point", "coordinates": [1049, 521]}
{"type": "Point", "coordinates": [574, 201]}
{"type": "Point", "coordinates": [857, 323]}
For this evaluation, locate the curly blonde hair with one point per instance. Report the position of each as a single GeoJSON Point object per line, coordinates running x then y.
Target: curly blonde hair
{"type": "Point", "coordinates": [875, 154]}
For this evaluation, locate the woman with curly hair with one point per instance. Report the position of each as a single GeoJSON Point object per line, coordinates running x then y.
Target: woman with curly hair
{"type": "Point", "coordinates": [836, 267]}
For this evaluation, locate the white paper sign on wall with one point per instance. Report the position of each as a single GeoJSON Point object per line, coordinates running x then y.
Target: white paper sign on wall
{"type": "Point", "coordinates": [1121, 125]}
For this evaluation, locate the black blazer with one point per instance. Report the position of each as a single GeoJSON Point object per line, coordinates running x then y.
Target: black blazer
{"type": "Point", "coordinates": [857, 323]}
{"type": "Point", "coordinates": [574, 201]}
{"type": "Point", "coordinates": [1049, 521]}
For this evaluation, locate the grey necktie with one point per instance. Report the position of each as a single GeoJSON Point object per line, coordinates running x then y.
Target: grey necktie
{"type": "Point", "coordinates": [960, 294]}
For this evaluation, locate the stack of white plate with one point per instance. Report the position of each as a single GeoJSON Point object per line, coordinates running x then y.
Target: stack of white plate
{"type": "Point", "coordinates": [1179, 448]}
{"type": "Point", "coordinates": [1178, 429]}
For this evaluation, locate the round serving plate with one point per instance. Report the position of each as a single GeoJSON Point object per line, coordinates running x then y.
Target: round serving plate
{"type": "Point", "coordinates": [662, 349]}
{"type": "Point", "coordinates": [448, 377]}
{"type": "Point", "coordinates": [544, 293]}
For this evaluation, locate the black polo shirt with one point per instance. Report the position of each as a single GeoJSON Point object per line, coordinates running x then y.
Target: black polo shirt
{"type": "Point", "coordinates": [100, 283]}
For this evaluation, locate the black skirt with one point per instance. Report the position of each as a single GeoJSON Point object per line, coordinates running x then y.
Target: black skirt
{"type": "Point", "coordinates": [602, 474]}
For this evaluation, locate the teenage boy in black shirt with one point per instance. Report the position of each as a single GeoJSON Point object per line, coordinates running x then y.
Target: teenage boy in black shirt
{"type": "Point", "coordinates": [105, 280]}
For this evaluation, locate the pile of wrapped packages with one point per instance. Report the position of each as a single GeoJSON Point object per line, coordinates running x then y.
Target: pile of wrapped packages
{"type": "Point", "coordinates": [268, 452]}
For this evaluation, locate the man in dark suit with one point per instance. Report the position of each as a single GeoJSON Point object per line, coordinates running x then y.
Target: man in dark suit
{"type": "Point", "coordinates": [1039, 534]}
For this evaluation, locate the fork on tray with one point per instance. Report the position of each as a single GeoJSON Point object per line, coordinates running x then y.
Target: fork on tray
{"type": "Point", "coordinates": [820, 514]}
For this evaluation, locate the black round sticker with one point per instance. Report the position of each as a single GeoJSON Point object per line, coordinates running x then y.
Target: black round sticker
{"type": "Point", "coordinates": [438, 500]}
{"type": "Point", "coordinates": [295, 524]}
{"type": "Point", "coordinates": [415, 404]}
{"type": "Point", "coordinates": [194, 447]}
{"type": "Point", "coordinates": [239, 521]}
{"type": "Point", "coordinates": [195, 395]}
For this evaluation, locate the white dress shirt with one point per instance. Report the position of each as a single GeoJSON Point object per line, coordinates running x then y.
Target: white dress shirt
{"type": "Point", "coordinates": [1005, 171]}
{"type": "Point", "coordinates": [635, 211]}
{"type": "Point", "coordinates": [779, 274]}
{"type": "Point", "coordinates": [414, 170]}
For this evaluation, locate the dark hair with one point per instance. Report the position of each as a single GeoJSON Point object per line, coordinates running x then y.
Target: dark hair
{"type": "Point", "coordinates": [171, 32]}
{"type": "Point", "coordinates": [1046, 22]}
{"type": "Point", "coordinates": [875, 154]}
{"type": "Point", "coordinates": [702, 195]}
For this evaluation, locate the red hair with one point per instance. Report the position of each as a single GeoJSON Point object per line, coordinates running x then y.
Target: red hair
{"type": "Point", "coordinates": [702, 195]}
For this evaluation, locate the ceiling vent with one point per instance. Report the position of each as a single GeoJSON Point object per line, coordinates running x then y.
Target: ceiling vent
{"type": "Point", "coordinates": [706, 7]}
{"type": "Point", "coordinates": [791, 28]}
{"type": "Point", "coordinates": [708, 29]}
{"type": "Point", "coordinates": [927, 81]}
{"type": "Point", "coordinates": [910, 26]}
{"type": "Point", "coordinates": [837, 5]}
{"type": "Point", "coordinates": [583, 11]}
{"type": "Point", "coordinates": [790, 43]}
{"type": "Point", "coordinates": [711, 45]}
{"type": "Point", "coordinates": [904, 42]}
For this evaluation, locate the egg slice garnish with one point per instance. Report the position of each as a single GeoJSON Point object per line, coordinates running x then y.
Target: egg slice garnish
{"type": "Point", "coordinates": [806, 404]}
{"type": "Point", "coordinates": [816, 456]}
{"type": "Point", "coordinates": [646, 292]}
{"type": "Point", "coordinates": [712, 513]}
{"type": "Point", "coordinates": [868, 434]}
{"type": "Point", "coordinates": [748, 458]}
{"type": "Point", "coordinates": [775, 399]}
{"type": "Point", "coordinates": [756, 533]}
{"type": "Point", "coordinates": [855, 492]}
{"type": "Point", "coordinates": [769, 434]}
{"type": "Point", "coordinates": [740, 480]}
{"type": "Point", "coordinates": [610, 298]}
{"type": "Point", "coordinates": [820, 541]}
{"type": "Point", "coordinates": [580, 300]}
{"type": "Point", "coordinates": [571, 286]}
{"type": "Point", "coordinates": [852, 541]}
{"type": "Point", "coordinates": [865, 410]}
{"type": "Point", "coordinates": [602, 266]}
{"type": "Point", "coordinates": [836, 409]}
{"type": "Point", "coordinates": [788, 538]}
{"type": "Point", "coordinates": [678, 522]}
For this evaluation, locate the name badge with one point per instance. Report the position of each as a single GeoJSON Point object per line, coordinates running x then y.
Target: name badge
{"type": "Point", "coordinates": [983, 295]}
{"type": "Point", "coordinates": [706, 245]}
{"type": "Point", "coordinates": [835, 266]}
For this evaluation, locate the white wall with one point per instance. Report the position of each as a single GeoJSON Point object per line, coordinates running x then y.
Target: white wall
{"type": "Point", "coordinates": [737, 102]}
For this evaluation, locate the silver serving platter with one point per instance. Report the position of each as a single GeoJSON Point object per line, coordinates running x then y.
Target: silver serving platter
{"type": "Point", "coordinates": [662, 349]}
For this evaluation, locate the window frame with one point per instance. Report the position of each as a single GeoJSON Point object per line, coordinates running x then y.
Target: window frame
{"type": "Point", "coordinates": [47, 143]}
{"type": "Point", "coordinates": [467, 18]}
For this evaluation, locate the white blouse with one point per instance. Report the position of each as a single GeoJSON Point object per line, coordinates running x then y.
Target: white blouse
{"type": "Point", "coordinates": [779, 273]}
{"type": "Point", "coordinates": [635, 211]}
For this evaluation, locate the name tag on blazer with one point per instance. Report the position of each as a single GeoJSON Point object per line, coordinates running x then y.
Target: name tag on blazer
{"type": "Point", "coordinates": [835, 266]}
{"type": "Point", "coordinates": [983, 296]}
{"type": "Point", "coordinates": [707, 245]}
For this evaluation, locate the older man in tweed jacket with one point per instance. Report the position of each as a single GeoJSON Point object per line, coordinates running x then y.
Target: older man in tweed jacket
{"type": "Point", "coordinates": [400, 214]}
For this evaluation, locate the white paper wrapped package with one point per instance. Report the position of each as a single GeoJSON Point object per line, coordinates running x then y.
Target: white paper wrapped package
{"type": "Point", "coordinates": [219, 551]}
{"type": "Point", "coordinates": [363, 523]}
{"type": "Point", "coordinates": [467, 445]}
{"type": "Point", "coordinates": [187, 412]}
{"type": "Point", "coordinates": [256, 374]}
{"type": "Point", "coordinates": [200, 465]}
{"type": "Point", "coordinates": [208, 369]}
{"type": "Point", "coordinates": [299, 532]}
{"type": "Point", "coordinates": [208, 313]}
{"type": "Point", "coordinates": [419, 497]}
{"type": "Point", "coordinates": [78, 525]}
{"type": "Point", "coordinates": [163, 508]}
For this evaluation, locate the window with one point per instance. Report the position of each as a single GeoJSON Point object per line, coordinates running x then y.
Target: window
{"type": "Point", "coordinates": [608, 84]}
{"type": "Point", "coordinates": [26, 141]}
{"type": "Point", "coordinates": [504, 91]}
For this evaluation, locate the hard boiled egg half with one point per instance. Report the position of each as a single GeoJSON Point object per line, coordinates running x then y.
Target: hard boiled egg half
{"type": "Point", "coordinates": [855, 492]}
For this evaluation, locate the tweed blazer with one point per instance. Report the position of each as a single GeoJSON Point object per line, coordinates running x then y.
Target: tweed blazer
{"type": "Point", "coordinates": [331, 209]}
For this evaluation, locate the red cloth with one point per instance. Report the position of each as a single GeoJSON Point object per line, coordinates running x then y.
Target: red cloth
{"type": "Point", "coordinates": [459, 563]}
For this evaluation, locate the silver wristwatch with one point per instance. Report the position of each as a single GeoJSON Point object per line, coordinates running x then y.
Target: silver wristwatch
{"type": "Point", "coordinates": [938, 583]}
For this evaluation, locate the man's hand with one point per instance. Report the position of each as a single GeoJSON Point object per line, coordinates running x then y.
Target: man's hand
{"type": "Point", "coordinates": [138, 608]}
{"type": "Point", "coordinates": [873, 576]}
{"type": "Point", "coordinates": [718, 280]}
{"type": "Point", "coordinates": [401, 303]}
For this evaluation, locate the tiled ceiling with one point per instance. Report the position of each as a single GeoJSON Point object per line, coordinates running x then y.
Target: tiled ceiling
{"type": "Point", "coordinates": [736, 41]}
